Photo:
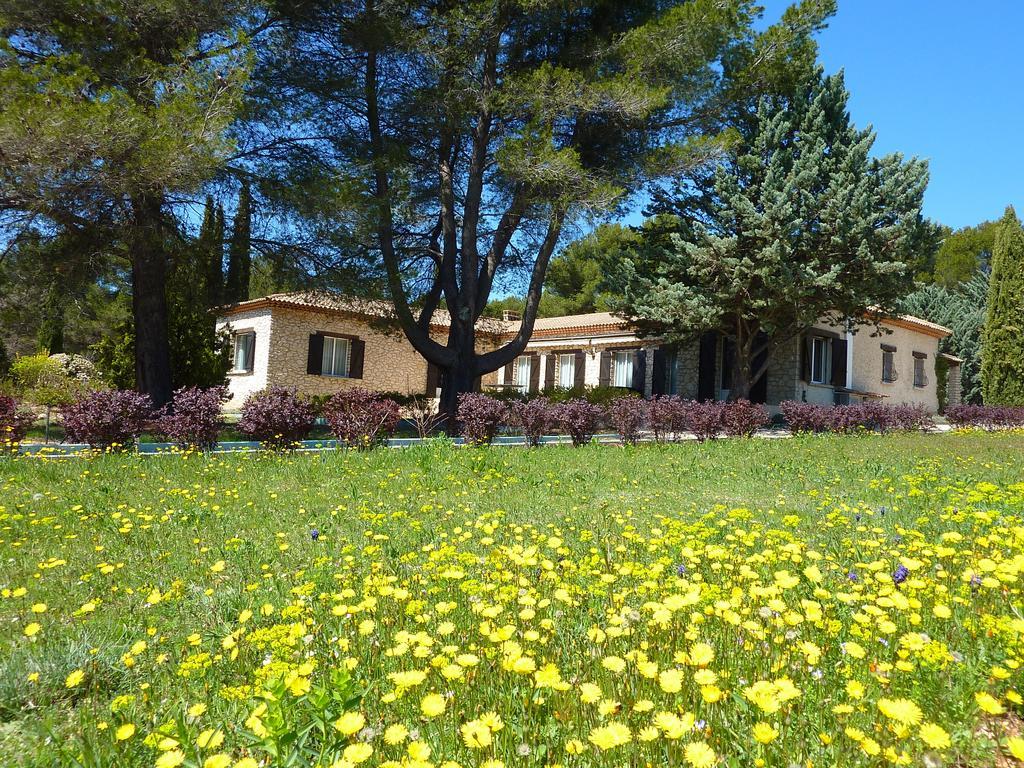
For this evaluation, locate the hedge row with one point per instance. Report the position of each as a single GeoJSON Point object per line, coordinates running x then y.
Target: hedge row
{"type": "Point", "coordinates": [986, 416]}
{"type": "Point", "coordinates": [809, 417]}
{"type": "Point", "coordinates": [279, 417]}
{"type": "Point", "coordinates": [482, 416]}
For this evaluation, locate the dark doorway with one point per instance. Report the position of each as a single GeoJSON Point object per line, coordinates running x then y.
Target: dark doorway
{"type": "Point", "coordinates": [759, 389]}
{"type": "Point", "coordinates": [706, 366]}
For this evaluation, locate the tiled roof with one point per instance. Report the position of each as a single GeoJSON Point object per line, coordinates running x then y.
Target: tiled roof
{"type": "Point", "coordinates": [565, 325]}
{"type": "Point", "coordinates": [331, 301]}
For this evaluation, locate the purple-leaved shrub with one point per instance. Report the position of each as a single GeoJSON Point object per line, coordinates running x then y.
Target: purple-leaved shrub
{"type": "Point", "coordinates": [534, 418]}
{"type": "Point", "coordinates": [665, 417]}
{"type": "Point", "coordinates": [742, 418]}
{"type": "Point", "coordinates": [986, 416]}
{"type": "Point", "coordinates": [628, 415]}
{"type": "Point", "coordinates": [577, 418]}
{"type": "Point", "coordinates": [480, 417]}
{"type": "Point", "coordinates": [193, 417]}
{"type": "Point", "coordinates": [107, 418]}
{"type": "Point", "coordinates": [361, 418]}
{"type": "Point", "coordinates": [277, 417]}
{"type": "Point", "coordinates": [14, 423]}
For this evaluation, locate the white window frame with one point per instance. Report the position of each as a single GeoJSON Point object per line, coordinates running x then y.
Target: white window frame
{"type": "Point", "coordinates": [567, 371]}
{"type": "Point", "coordinates": [522, 373]}
{"type": "Point", "coordinates": [235, 339]}
{"type": "Point", "coordinates": [821, 351]}
{"type": "Point", "coordinates": [331, 361]}
{"type": "Point", "coordinates": [622, 368]}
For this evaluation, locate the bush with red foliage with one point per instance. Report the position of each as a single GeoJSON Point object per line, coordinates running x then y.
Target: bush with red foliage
{"type": "Point", "coordinates": [705, 419]}
{"type": "Point", "coordinates": [628, 416]}
{"type": "Point", "coordinates": [533, 418]}
{"type": "Point", "coordinates": [578, 418]}
{"type": "Point", "coordinates": [193, 417]}
{"type": "Point", "coordinates": [986, 416]}
{"type": "Point", "coordinates": [810, 417]}
{"type": "Point", "coordinates": [361, 418]}
{"type": "Point", "coordinates": [277, 417]}
{"type": "Point", "coordinates": [665, 416]}
{"type": "Point", "coordinates": [480, 417]}
{"type": "Point", "coordinates": [107, 418]}
{"type": "Point", "coordinates": [742, 418]}
{"type": "Point", "coordinates": [14, 423]}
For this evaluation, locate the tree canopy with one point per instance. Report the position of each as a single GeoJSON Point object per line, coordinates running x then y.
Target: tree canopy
{"type": "Point", "coordinates": [1002, 360]}
{"type": "Point", "coordinates": [797, 222]}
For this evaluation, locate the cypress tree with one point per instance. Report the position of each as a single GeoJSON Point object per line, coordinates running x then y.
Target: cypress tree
{"type": "Point", "coordinates": [239, 255]}
{"type": "Point", "coordinates": [50, 337]}
{"type": "Point", "coordinates": [1002, 351]}
{"type": "Point", "coordinates": [211, 249]}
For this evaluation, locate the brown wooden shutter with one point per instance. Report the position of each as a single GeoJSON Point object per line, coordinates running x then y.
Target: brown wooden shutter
{"type": "Point", "coordinates": [549, 370]}
{"type": "Point", "coordinates": [534, 384]}
{"type": "Point", "coordinates": [604, 375]}
{"type": "Point", "coordinates": [838, 362]}
{"type": "Point", "coordinates": [355, 364]}
{"type": "Point", "coordinates": [659, 379]}
{"type": "Point", "coordinates": [805, 358]}
{"type": "Point", "coordinates": [639, 377]}
{"type": "Point", "coordinates": [315, 356]}
{"type": "Point", "coordinates": [579, 371]}
{"type": "Point", "coordinates": [433, 379]}
{"type": "Point", "coordinates": [508, 373]}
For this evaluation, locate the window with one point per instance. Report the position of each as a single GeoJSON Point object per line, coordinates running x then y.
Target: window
{"type": "Point", "coordinates": [920, 380]}
{"type": "Point", "coordinates": [244, 346]}
{"type": "Point", "coordinates": [622, 369]}
{"type": "Point", "coordinates": [888, 363]}
{"type": "Point", "coordinates": [567, 371]}
{"type": "Point", "coordinates": [523, 373]}
{"type": "Point", "coordinates": [821, 360]}
{"type": "Point", "coordinates": [336, 353]}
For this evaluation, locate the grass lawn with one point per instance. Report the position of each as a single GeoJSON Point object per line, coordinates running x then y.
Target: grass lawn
{"type": "Point", "coordinates": [734, 603]}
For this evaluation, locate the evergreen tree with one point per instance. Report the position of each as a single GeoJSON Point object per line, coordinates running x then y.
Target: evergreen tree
{"type": "Point", "coordinates": [211, 249]}
{"type": "Point", "coordinates": [236, 286]}
{"type": "Point", "coordinates": [1002, 351]}
{"type": "Point", "coordinates": [107, 111]}
{"type": "Point", "coordinates": [50, 337]}
{"type": "Point", "coordinates": [455, 141]}
{"type": "Point", "coordinates": [962, 310]}
{"type": "Point", "coordinates": [797, 222]}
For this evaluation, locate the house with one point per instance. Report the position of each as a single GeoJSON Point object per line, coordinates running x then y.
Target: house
{"type": "Point", "coordinates": [321, 343]}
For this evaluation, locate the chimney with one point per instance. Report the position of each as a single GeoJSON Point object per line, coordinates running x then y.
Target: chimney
{"type": "Point", "coordinates": [511, 315]}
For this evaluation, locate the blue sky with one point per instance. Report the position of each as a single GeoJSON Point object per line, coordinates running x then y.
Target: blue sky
{"type": "Point", "coordinates": [942, 80]}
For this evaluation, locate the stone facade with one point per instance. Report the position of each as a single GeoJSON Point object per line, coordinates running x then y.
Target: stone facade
{"type": "Point", "coordinates": [283, 325]}
{"type": "Point", "coordinates": [390, 364]}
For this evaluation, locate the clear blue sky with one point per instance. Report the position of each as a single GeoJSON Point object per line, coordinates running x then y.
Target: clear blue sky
{"type": "Point", "coordinates": [942, 80]}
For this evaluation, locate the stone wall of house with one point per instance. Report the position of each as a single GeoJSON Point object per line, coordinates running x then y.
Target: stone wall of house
{"type": "Point", "coordinates": [241, 384]}
{"type": "Point", "coordinates": [390, 364]}
{"type": "Point", "coordinates": [954, 387]}
{"type": "Point", "coordinates": [784, 373]}
{"type": "Point", "coordinates": [867, 366]}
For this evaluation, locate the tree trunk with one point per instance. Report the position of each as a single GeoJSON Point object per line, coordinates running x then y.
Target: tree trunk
{"type": "Point", "coordinates": [460, 377]}
{"type": "Point", "coordinates": [149, 300]}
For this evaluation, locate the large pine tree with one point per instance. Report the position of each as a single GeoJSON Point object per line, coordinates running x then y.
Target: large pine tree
{"type": "Point", "coordinates": [798, 221]}
{"type": "Point", "coordinates": [1002, 351]}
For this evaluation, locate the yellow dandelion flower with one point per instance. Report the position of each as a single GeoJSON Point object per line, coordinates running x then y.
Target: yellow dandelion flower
{"type": "Point", "coordinates": [699, 755]}
{"type": "Point", "coordinates": [432, 705]}
{"type": "Point", "coordinates": [934, 736]}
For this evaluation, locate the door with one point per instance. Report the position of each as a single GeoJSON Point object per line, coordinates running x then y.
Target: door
{"type": "Point", "coordinates": [706, 366]}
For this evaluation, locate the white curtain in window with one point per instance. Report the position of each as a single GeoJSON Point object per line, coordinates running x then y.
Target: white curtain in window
{"type": "Point", "coordinates": [566, 371]}
{"type": "Point", "coordinates": [623, 374]}
{"type": "Point", "coordinates": [523, 373]}
{"type": "Point", "coordinates": [244, 343]}
{"type": "Point", "coordinates": [335, 359]}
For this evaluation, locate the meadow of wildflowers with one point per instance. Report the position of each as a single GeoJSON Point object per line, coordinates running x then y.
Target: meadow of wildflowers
{"type": "Point", "coordinates": [821, 601]}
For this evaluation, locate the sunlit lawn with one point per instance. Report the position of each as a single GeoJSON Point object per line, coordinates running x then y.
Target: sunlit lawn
{"type": "Point", "coordinates": [834, 601]}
